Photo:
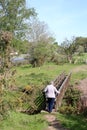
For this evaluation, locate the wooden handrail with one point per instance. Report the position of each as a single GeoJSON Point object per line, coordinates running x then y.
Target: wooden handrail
{"type": "Point", "coordinates": [62, 90]}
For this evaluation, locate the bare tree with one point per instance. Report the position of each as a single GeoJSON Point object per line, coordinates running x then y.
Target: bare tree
{"type": "Point", "coordinates": [38, 31]}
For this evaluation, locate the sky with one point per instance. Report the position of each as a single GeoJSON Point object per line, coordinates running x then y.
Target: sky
{"type": "Point", "coordinates": [65, 18]}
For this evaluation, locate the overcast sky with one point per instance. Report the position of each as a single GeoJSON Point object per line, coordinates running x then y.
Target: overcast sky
{"type": "Point", "coordinates": [65, 18]}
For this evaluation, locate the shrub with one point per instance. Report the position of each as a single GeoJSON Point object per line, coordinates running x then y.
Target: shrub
{"type": "Point", "coordinates": [67, 110]}
{"type": "Point", "coordinates": [28, 89]}
{"type": "Point", "coordinates": [70, 100]}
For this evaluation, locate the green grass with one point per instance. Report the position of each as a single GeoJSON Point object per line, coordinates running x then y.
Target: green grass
{"type": "Point", "coordinates": [73, 122]}
{"type": "Point", "coordinates": [20, 121]}
{"type": "Point", "coordinates": [39, 76]}
{"type": "Point", "coordinates": [77, 76]}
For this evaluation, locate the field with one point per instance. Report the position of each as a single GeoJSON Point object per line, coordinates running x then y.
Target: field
{"type": "Point", "coordinates": [38, 77]}
{"type": "Point", "coordinates": [26, 75]}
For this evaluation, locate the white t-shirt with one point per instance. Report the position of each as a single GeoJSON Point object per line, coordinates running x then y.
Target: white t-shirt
{"type": "Point", "coordinates": [51, 91]}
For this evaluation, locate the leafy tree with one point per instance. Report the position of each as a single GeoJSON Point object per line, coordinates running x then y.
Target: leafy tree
{"type": "Point", "coordinates": [39, 53]}
{"type": "Point", "coordinates": [22, 46]}
{"type": "Point", "coordinates": [82, 41]}
{"type": "Point", "coordinates": [14, 16]}
{"type": "Point", "coordinates": [69, 48]}
{"type": "Point", "coordinates": [57, 55]}
{"type": "Point", "coordinates": [41, 41]}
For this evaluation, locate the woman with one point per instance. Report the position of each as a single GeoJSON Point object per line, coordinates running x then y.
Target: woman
{"type": "Point", "coordinates": [51, 92]}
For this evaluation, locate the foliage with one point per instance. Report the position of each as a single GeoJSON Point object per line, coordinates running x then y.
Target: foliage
{"type": "Point", "coordinates": [5, 73]}
{"type": "Point", "coordinates": [82, 41]}
{"type": "Point", "coordinates": [20, 46]}
{"type": "Point", "coordinates": [3, 104]}
{"type": "Point", "coordinates": [38, 55]}
{"type": "Point", "coordinates": [72, 96]}
{"type": "Point", "coordinates": [5, 41]}
{"type": "Point", "coordinates": [41, 40]}
{"type": "Point", "coordinates": [67, 109]}
{"type": "Point", "coordinates": [69, 48]}
{"type": "Point", "coordinates": [28, 89]}
{"type": "Point", "coordinates": [59, 59]}
{"type": "Point", "coordinates": [80, 50]}
{"type": "Point", "coordinates": [71, 101]}
{"type": "Point", "coordinates": [14, 16]}
{"type": "Point", "coordinates": [75, 46]}
{"type": "Point", "coordinates": [80, 59]}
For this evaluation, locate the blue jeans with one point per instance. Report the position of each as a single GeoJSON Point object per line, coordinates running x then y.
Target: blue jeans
{"type": "Point", "coordinates": [50, 104]}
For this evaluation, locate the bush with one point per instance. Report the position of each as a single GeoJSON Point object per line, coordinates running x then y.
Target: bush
{"type": "Point", "coordinates": [28, 89]}
{"type": "Point", "coordinates": [4, 108]}
{"type": "Point", "coordinates": [70, 101]}
{"type": "Point", "coordinates": [67, 110]}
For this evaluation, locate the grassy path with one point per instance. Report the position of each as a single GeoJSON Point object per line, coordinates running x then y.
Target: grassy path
{"type": "Point", "coordinates": [53, 122]}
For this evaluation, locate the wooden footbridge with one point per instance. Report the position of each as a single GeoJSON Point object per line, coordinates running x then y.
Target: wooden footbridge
{"type": "Point", "coordinates": [61, 83]}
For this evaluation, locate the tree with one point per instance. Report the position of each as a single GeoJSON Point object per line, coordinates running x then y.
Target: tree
{"type": "Point", "coordinates": [41, 41]}
{"type": "Point", "coordinates": [82, 41]}
{"type": "Point", "coordinates": [14, 16]}
{"type": "Point", "coordinates": [38, 31]}
{"type": "Point", "coordinates": [69, 48]}
{"type": "Point", "coordinates": [38, 54]}
{"type": "Point", "coordinates": [21, 46]}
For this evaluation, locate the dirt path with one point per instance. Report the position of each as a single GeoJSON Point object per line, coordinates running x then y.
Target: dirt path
{"type": "Point", "coordinates": [79, 68]}
{"type": "Point", "coordinates": [53, 122]}
{"type": "Point", "coordinates": [82, 86]}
